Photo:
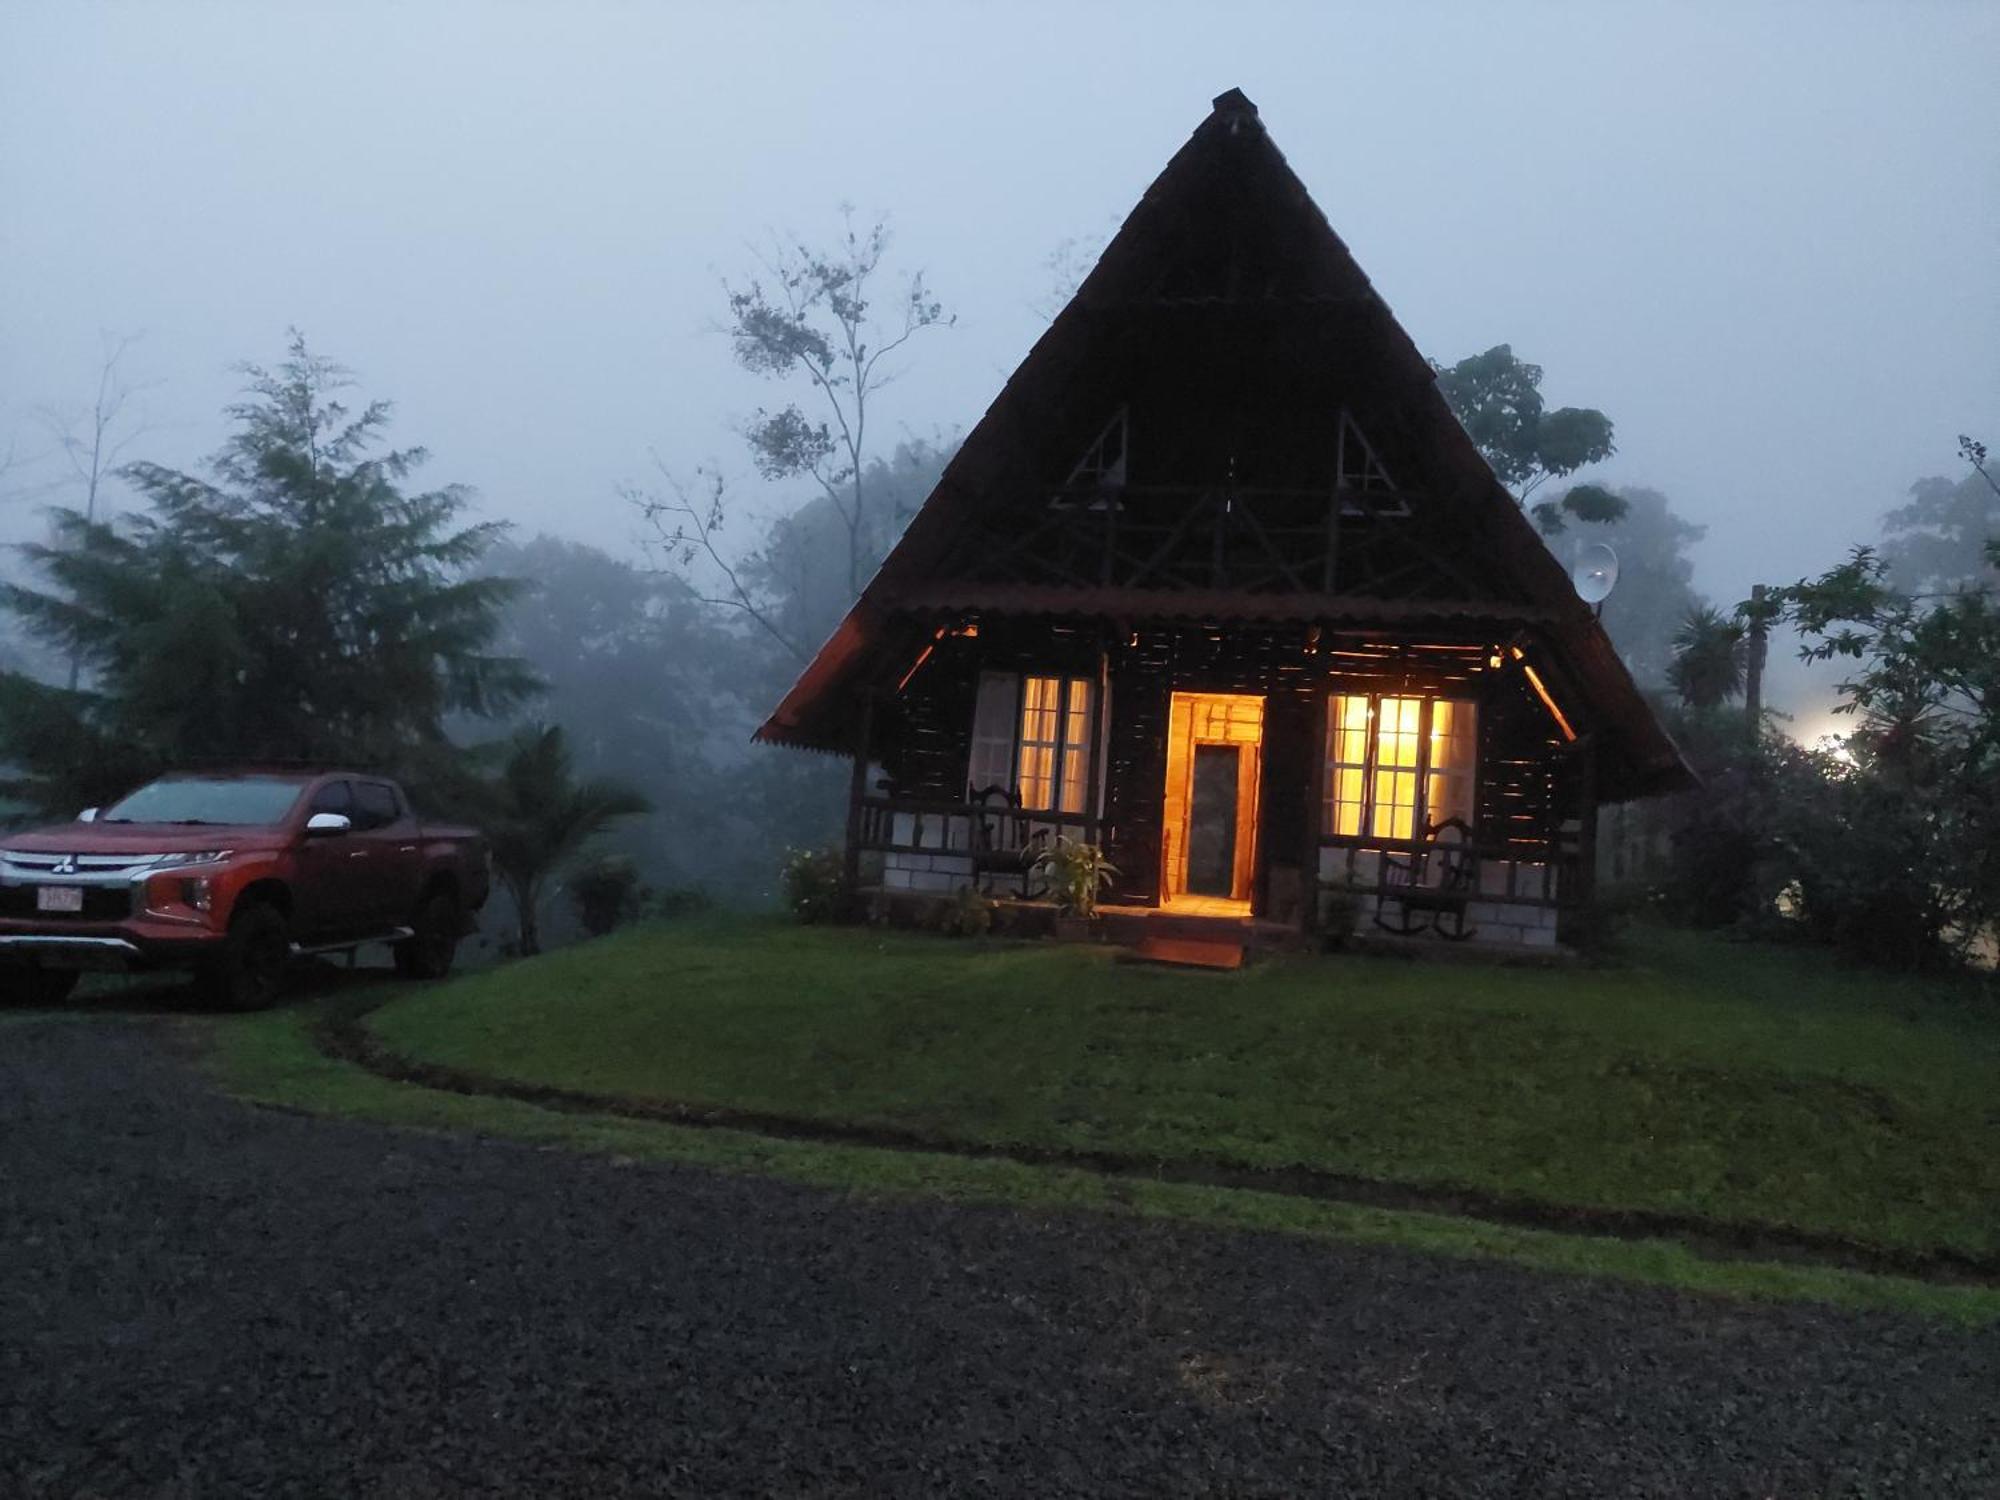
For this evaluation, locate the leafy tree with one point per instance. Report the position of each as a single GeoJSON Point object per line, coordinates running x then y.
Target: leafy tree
{"type": "Point", "coordinates": [1710, 655]}
{"type": "Point", "coordinates": [1937, 542]}
{"type": "Point", "coordinates": [299, 603]}
{"type": "Point", "coordinates": [539, 817]}
{"type": "Point", "coordinates": [1498, 398]}
{"type": "Point", "coordinates": [654, 689]}
{"type": "Point", "coordinates": [1916, 659]}
{"type": "Point", "coordinates": [1899, 857]}
{"type": "Point", "coordinates": [810, 318]}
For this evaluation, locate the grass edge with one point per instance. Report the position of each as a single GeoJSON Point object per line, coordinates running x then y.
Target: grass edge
{"type": "Point", "coordinates": [270, 1060]}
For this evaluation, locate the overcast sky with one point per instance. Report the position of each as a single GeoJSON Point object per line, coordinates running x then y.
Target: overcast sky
{"type": "Point", "coordinates": [1765, 240]}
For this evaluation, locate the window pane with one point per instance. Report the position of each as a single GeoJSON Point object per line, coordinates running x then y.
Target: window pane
{"type": "Point", "coordinates": [374, 805]}
{"type": "Point", "coordinates": [1076, 721]}
{"type": "Point", "coordinates": [1453, 735]}
{"type": "Point", "coordinates": [1397, 729]}
{"type": "Point", "coordinates": [1076, 745]}
{"type": "Point", "coordinates": [1347, 787]}
{"type": "Point", "coordinates": [993, 733]}
{"type": "Point", "coordinates": [1041, 731]}
{"type": "Point", "coordinates": [1038, 769]}
{"type": "Point", "coordinates": [1038, 710]}
{"type": "Point", "coordinates": [1395, 805]}
{"type": "Point", "coordinates": [1454, 752]}
{"type": "Point", "coordinates": [1449, 796]}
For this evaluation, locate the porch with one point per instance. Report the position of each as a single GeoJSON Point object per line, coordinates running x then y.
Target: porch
{"type": "Point", "coordinates": [1518, 894]}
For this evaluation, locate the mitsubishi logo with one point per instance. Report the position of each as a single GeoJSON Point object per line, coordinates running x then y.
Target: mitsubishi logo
{"type": "Point", "coordinates": [65, 866]}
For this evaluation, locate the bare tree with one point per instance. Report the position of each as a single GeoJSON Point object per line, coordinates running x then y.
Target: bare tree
{"type": "Point", "coordinates": [1974, 453]}
{"type": "Point", "coordinates": [91, 439]}
{"type": "Point", "coordinates": [809, 318]}
{"type": "Point", "coordinates": [688, 522]}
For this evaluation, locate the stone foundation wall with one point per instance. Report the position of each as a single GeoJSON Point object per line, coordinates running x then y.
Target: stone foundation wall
{"type": "Point", "coordinates": [935, 873]}
{"type": "Point", "coordinates": [1510, 908]}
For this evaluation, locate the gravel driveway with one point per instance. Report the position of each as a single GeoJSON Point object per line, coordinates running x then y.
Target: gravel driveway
{"type": "Point", "coordinates": [204, 1299]}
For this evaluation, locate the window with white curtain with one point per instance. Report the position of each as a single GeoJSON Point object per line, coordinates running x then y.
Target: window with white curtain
{"type": "Point", "coordinates": [1396, 765]}
{"type": "Point", "coordinates": [1031, 735]}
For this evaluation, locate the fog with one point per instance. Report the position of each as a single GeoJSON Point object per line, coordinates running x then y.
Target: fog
{"type": "Point", "coordinates": [1764, 244]}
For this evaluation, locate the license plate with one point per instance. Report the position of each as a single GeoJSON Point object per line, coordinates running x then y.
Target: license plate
{"type": "Point", "coordinates": [59, 898]}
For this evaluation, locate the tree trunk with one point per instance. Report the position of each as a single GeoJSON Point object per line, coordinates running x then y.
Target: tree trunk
{"type": "Point", "coordinates": [527, 916]}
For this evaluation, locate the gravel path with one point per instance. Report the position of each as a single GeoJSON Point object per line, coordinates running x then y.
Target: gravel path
{"type": "Point", "coordinates": [204, 1299]}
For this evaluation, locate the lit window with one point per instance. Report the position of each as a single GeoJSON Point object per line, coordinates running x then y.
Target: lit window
{"type": "Point", "coordinates": [1396, 766]}
{"type": "Point", "coordinates": [1347, 765]}
{"type": "Point", "coordinates": [1041, 753]}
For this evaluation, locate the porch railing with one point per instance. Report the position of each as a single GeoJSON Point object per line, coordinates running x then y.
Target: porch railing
{"type": "Point", "coordinates": [909, 825]}
{"type": "Point", "coordinates": [1519, 874]}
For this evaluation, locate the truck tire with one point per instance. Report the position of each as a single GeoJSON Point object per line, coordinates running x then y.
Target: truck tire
{"type": "Point", "coordinates": [249, 972]}
{"type": "Point", "coordinates": [433, 942]}
{"type": "Point", "coordinates": [36, 987]}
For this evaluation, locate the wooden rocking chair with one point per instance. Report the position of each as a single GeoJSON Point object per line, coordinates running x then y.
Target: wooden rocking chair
{"type": "Point", "coordinates": [1002, 845]}
{"type": "Point", "coordinates": [1432, 886]}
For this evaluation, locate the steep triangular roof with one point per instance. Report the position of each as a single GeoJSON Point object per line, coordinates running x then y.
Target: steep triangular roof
{"type": "Point", "coordinates": [1227, 272]}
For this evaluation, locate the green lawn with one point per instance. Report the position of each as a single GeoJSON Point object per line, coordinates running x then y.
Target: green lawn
{"type": "Point", "coordinates": [1737, 1082]}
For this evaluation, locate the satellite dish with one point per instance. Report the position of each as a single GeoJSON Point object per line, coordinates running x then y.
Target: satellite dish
{"type": "Point", "coordinates": [1595, 572]}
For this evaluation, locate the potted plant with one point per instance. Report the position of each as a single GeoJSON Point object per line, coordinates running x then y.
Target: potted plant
{"type": "Point", "coordinates": [1074, 873]}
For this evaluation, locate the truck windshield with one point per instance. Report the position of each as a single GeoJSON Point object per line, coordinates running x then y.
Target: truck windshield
{"type": "Point", "coordinates": [245, 801]}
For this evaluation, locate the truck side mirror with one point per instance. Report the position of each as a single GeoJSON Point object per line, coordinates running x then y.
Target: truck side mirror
{"type": "Point", "coordinates": [324, 825]}
{"type": "Point", "coordinates": [88, 815]}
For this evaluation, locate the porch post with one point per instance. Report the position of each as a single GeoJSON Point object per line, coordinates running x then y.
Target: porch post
{"type": "Point", "coordinates": [1093, 787]}
{"type": "Point", "coordinates": [1586, 834]}
{"type": "Point", "coordinates": [857, 788]}
{"type": "Point", "coordinates": [1315, 813]}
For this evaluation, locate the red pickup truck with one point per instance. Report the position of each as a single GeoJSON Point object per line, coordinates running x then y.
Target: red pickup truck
{"type": "Point", "coordinates": [232, 875]}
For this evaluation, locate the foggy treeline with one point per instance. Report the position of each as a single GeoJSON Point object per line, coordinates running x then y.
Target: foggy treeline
{"type": "Point", "coordinates": [658, 659]}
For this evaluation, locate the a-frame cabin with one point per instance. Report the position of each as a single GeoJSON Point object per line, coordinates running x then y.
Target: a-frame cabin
{"type": "Point", "coordinates": [1220, 583]}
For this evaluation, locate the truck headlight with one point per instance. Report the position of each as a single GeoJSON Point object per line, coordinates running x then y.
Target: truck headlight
{"type": "Point", "coordinates": [165, 892]}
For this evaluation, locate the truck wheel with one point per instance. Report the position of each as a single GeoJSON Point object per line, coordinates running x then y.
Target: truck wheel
{"type": "Point", "coordinates": [29, 985]}
{"type": "Point", "coordinates": [250, 970]}
{"type": "Point", "coordinates": [433, 942]}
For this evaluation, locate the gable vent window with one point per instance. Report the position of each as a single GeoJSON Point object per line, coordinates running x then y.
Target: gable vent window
{"type": "Point", "coordinates": [1031, 737]}
{"type": "Point", "coordinates": [1359, 471]}
{"type": "Point", "coordinates": [1102, 466]}
{"type": "Point", "coordinates": [1396, 766]}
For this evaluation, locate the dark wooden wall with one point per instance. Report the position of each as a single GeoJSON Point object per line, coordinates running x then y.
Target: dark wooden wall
{"type": "Point", "coordinates": [924, 733]}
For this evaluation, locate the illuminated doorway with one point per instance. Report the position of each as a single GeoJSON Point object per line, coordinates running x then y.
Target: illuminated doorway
{"type": "Point", "coordinates": [1208, 855]}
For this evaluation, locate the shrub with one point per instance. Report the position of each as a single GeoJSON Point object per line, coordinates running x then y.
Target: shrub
{"type": "Point", "coordinates": [969, 913]}
{"type": "Point", "coordinates": [1074, 873]}
{"type": "Point", "coordinates": [606, 894]}
{"type": "Point", "coordinates": [815, 883]}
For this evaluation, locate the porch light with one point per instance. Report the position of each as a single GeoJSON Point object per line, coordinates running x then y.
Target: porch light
{"type": "Point", "coordinates": [922, 657]}
{"type": "Point", "coordinates": [1535, 682]}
